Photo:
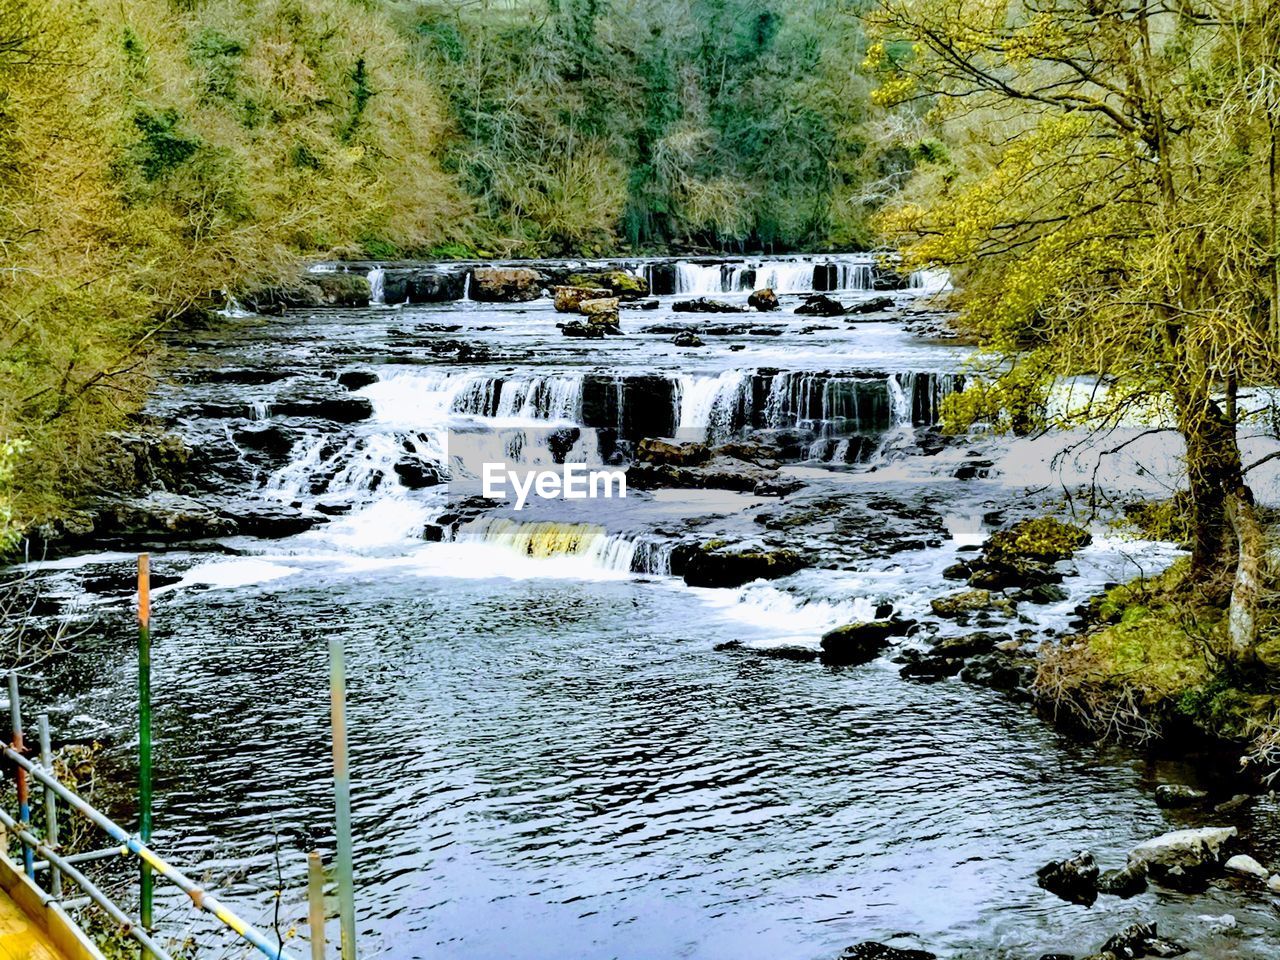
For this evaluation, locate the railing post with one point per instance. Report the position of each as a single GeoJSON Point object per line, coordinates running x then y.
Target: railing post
{"type": "Point", "coordinates": [146, 882]}
{"type": "Point", "coordinates": [315, 903]}
{"type": "Point", "coordinates": [50, 804]}
{"type": "Point", "coordinates": [24, 800]}
{"type": "Point", "coordinates": [342, 798]}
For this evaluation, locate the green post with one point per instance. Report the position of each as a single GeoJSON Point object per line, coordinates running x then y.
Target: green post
{"type": "Point", "coordinates": [342, 799]}
{"type": "Point", "coordinates": [146, 882]}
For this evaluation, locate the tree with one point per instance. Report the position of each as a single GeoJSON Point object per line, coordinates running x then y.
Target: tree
{"type": "Point", "coordinates": [1108, 210]}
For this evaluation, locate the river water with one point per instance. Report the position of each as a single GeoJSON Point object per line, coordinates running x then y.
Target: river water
{"type": "Point", "coordinates": [550, 757]}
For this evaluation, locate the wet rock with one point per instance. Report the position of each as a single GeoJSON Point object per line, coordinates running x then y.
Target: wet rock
{"type": "Point", "coordinates": [706, 305]}
{"type": "Point", "coordinates": [267, 521]}
{"type": "Point", "coordinates": [874, 305]}
{"type": "Point", "coordinates": [820, 306]}
{"type": "Point", "coordinates": [587, 331]}
{"type": "Point", "coordinates": [930, 669]}
{"type": "Point", "coordinates": [357, 379]}
{"type": "Point", "coordinates": [687, 338]}
{"type": "Point", "coordinates": [159, 516]}
{"type": "Point", "coordinates": [777, 487]}
{"type": "Point", "coordinates": [999, 670]}
{"type": "Point", "coordinates": [1246, 866]}
{"type": "Point", "coordinates": [968, 645]}
{"type": "Point", "coordinates": [142, 461]}
{"type": "Point", "coordinates": [505, 284]}
{"type": "Point", "coordinates": [600, 307]}
{"type": "Point", "coordinates": [1274, 883]}
{"type": "Point", "coordinates": [1140, 940]}
{"type": "Point", "coordinates": [663, 279]}
{"type": "Point", "coordinates": [766, 331]}
{"type": "Point", "coordinates": [1170, 795]}
{"type": "Point", "coordinates": [1183, 855]}
{"type": "Point", "coordinates": [960, 604]}
{"type": "Point", "coordinates": [342, 289]}
{"type": "Point", "coordinates": [124, 584]}
{"type": "Point", "coordinates": [712, 565]}
{"type": "Point", "coordinates": [274, 300]}
{"type": "Point", "coordinates": [667, 450]}
{"type": "Point", "coordinates": [861, 642]}
{"type": "Point", "coordinates": [570, 299]}
{"type": "Point", "coordinates": [763, 299]}
{"type": "Point", "coordinates": [1024, 556]}
{"type": "Point", "coordinates": [336, 409]}
{"type": "Point", "coordinates": [874, 950]}
{"type": "Point", "coordinates": [270, 438]}
{"type": "Point", "coordinates": [1074, 879]}
{"type": "Point", "coordinates": [957, 571]}
{"type": "Point", "coordinates": [1128, 881]}
{"type": "Point", "coordinates": [797, 654]}
{"type": "Point", "coordinates": [434, 284]}
{"type": "Point", "coordinates": [417, 474]}
{"type": "Point", "coordinates": [618, 283]}
{"type": "Point", "coordinates": [1042, 593]}
{"type": "Point", "coordinates": [1238, 802]}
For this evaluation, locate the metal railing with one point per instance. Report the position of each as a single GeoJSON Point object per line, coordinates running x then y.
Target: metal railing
{"type": "Point", "coordinates": [40, 854]}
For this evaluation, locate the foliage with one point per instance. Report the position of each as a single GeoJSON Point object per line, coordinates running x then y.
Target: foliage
{"type": "Point", "coordinates": [151, 154]}
{"type": "Point", "coordinates": [1038, 538]}
{"type": "Point", "coordinates": [1110, 202]}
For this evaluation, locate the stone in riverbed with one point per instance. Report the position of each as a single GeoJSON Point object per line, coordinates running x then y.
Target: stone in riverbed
{"type": "Point", "coordinates": [874, 305]}
{"type": "Point", "coordinates": [706, 305]}
{"type": "Point", "coordinates": [667, 450]}
{"type": "Point", "coordinates": [1178, 795]}
{"type": "Point", "coordinates": [570, 299]}
{"type": "Point", "coordinates": [874, 950]}
{"type": "Point", "coordinates": [687, 338]}
{"type": "Point", "coordinates": [1183, 855]}
{"type": "Point", "coordinates": [711, 565]}
{"type": "Point", "coordinates": [1074, 879]}
{"type": "Point", "coordinates": [856, 643]}
{"type": "Point", "coordinates": [820, 306]}
{"type": "Point", "coordinates": [357, 379]}
{"type": "Point", "coordinates": [417, 474]}
{"type": "Point", "coordinates": [505, 284]}
{"type": "Point", "coordinates": [618, 283]}
{"type": "Point", "coordinates": [587, 331]}
{"type": "Point", "coordinates": [1128, 881]}
{"type": "Point", "coordinates": [763, 299]}
{"type": "Point", "coordinates": [1140, 940]}
{"type": "Point", "coordinates": [1246, 866]}
{"type": "Point", "coordinates": [963, 603]}
{"type": "Point", "coordinates": [342, 289]}
{"type": "Point", "coordinates": [600, 307]}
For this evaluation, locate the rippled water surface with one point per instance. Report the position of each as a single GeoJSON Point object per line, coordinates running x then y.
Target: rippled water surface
{"type": "Point", "coordinates": [550, 759]}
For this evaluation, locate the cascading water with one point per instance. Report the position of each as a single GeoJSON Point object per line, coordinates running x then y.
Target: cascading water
{"type": "Point", "coordinates": [377, 285]}
{"type": "Point", "coordinates": [714, 408]}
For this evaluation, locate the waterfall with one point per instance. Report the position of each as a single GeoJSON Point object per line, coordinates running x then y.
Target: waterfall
{"type": "Point", "coordinates": [899, 400]}
{"type": "Point", "coordinates": [546, 539]}
{"type": "Point", "coordinates": [930, 281]}
{"type": "Point", "coordinates": [261, 410]}
{"type": "Point", "coordinates": [466, 286]}
{"type": "Point", "coordinates": [377, 283]}
{"type": "Point", "coordinates": [713, 408]}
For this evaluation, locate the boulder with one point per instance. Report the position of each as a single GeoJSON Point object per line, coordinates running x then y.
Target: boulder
{"type": "Point", "coordinates": [711, 565]}
{"type": "Point", "coordinates": [619, 283]}
{"type": "Point", "coordinates": [1074, 879]}
{"type": "Point", "coordinates": [274, 300]}
{"type": "Point", "coordinates": [599, 307]}
{"type": "Point", "coordinates": [589, 331]}
{"type": "Point", "coordinates": [570, 299]}
{"type": "Point", "coordinates": [999, 670]}
{"type": "Point", "coordinates": [930, 669]}
{"type": "Point", "coordinates": [666, 450]}
{"type": "Point", "coordinates": [342, 289]}
{"type": "Point", "coordinates": [783, 652]}
{"type": "Point", "coordinates": [424, 284]}
{"type": "Point", "coordinates": [874, 950]}
{"type": "Point", "coordinates": [1183, 854]}
{"type": "Point", "coordinates": [1246, 866]}
{"type": "Point", "coordinates": [820, 305]}
{"type": "Point", "coordinates": [337, 409]}
{"type": "Point", "coordinates": [1128, 881]}
{"type": "Point", "coordinates": [505, 284]}
{"type": "Point", "coordinates": [270, 438]}
{"type": "Point", "coordinates": [417, 474]}
{"type": "Point", "coordinates": [763, 299]}
{"type": "Point", "coordinates": [1170, 795]}
{"type": "Point", "coordinates": [861, 642]}
{"type": "Point", "coordinates": [687, 338]}
{"type": "Point", "coordinates": [267, 521]}
{"type": "Point", "coordinates": [159, 516]}
{"type": "Point", "coordinates": [706, 305]}
{"type": "Point", "coordinates": [1140, 940]}
{"type": "Point", "coordinates": [959, 604]}
{"type": "Point", "coordinates": [357, 379]}
{"type": "Point", "coordinates": [968, 645]}
{"type": "Point", "coordinates": [874, 305]}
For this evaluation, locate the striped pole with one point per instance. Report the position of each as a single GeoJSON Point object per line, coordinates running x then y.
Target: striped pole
{"type": "Point", "coordinates": [342, 798]}
{"type": "Point", "coordinates": [315, 903]}
{"type": "Point", "coordinates": [146, 882]}
{"type": "Point", "coordinates": [50, 803]}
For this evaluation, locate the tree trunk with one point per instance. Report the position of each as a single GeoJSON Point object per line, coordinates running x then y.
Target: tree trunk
{"type": "Point", "coordinates": [1246, 594]}
{"type": "Point", "coordinates": [1214, 473]}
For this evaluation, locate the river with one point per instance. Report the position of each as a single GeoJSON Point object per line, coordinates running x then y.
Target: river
{"type": "Point", "coordinates": [551, 757]}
